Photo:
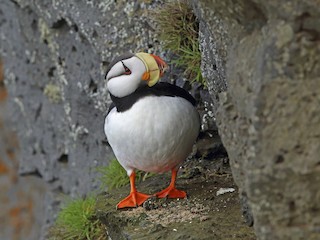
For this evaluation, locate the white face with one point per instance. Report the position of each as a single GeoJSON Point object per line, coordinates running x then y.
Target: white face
{"type": "Point", "coordinates": [125, 76]}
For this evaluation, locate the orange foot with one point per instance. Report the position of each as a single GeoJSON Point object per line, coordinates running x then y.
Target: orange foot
{"type": "Point", "coordinates": [171, 192]}
{"type": "Point", "coordinates": [134, 199]}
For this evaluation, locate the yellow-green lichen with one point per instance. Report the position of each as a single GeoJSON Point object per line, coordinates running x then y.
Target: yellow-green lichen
{"type": "Point", "coordinates": [44, 30]}
{"type": "Point", "coordinates": [53, 93]}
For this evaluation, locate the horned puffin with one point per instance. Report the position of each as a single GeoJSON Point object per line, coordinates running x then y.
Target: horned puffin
{"type": "Point", "coordinates": [150, 125]}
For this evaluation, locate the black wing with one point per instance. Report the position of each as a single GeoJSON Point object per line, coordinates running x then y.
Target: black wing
{"type": "Point", "coordinates": [167, 89]}
{"type": "Point", "coordinates": [112, 105]}
{"type": "Point", "coordinates": [160, 89]}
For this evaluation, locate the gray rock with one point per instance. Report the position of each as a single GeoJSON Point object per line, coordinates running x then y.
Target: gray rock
{"type": "Point", "coordinates": [55, 55]}
{"type": "Point", "coordinates": [268, 116]}
{"type": "Point", "coordinates": [260, 59]}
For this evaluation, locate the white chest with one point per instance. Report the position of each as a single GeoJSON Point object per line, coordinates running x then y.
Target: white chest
{"type": "Point", "coordinates": [155, 134]}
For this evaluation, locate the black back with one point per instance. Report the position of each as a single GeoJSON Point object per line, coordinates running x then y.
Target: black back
{"type": "Point", "coordinates": [160, 89]}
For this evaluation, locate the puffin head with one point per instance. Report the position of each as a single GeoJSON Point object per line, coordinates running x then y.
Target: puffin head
{"type": "Point", "coordinates": [128, 72]}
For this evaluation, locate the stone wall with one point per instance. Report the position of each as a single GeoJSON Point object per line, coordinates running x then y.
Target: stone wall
{"type": "Point", "coordinates": [21, 200]}
{"type": "Point", "coordinates": [267, 54]}
{"type": "Point", "coordinates": [54, 55]}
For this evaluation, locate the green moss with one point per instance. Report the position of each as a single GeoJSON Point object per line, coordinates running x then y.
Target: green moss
{"type": "Point", "coordinates": [114, 176]}
{"type": "Point", "coordinates": [53, 93]}
{"type": "Point", "coordinates": [76, 221]}
{"type": "Point", "coordinates": [178, 29]}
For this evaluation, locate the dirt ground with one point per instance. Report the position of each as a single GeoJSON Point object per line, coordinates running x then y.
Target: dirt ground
{"type": "Point", "coordinates": [203, 215]}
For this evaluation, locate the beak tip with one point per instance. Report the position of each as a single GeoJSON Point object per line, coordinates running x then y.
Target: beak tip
{"type": "Point", "coordinates": [162, 65]}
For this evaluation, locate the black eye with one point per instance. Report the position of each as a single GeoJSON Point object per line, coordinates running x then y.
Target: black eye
{"type": "Point", "coordinates": [127, 71]}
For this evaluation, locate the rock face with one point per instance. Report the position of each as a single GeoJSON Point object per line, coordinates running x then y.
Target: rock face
{"type": "Point", "coordinates": [54, 55]}
{"type": "Point", "coordinates": [267, 54]}
{"type": "Point", "coordinates": [261, 60]}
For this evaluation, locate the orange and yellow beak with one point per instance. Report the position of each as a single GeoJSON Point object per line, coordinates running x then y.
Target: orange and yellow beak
{"type": "Point", "coordinates": [155, 67]}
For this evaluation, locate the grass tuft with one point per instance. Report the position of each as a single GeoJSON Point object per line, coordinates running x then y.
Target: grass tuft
{"type": "Point", "coordinates": [76, 220]}
{"type": "Point", "coordinates": [178, 29]}
{"type": "Point", "coordinates": [114, 175]}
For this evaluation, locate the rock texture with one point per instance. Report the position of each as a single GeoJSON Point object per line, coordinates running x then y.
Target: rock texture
{"type": "Point", "coordinates": [203, 215]}
{"type": "Point", "coordinates": [267, 54]}
{"type": "Point", "coordinates": [19, 213]}
{"type": "Point", "coordinates": [260, 58]}
{"type": "Point", "coordinates": [54, 55]}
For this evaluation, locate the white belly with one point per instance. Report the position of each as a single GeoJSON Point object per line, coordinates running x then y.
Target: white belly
{"type": "Point", "coordinates": [155, 135]}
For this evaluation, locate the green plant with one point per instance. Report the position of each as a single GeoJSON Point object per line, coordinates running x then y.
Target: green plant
{"type": "Point", "coordinates": [76, 220]}
{"type": "Point", "coordinates": [114, 175]}
{"type": "Point", "coordinates": [178, 29]}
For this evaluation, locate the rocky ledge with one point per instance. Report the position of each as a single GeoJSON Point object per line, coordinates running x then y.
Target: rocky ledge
{"type": "Point", "coordinates": [211, 211]}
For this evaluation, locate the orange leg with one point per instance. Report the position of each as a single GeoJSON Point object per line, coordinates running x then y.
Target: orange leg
{"type": "Point", "coordinates": [171, 191]}
{"type": "Point", "coordinates": [135, 198]}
